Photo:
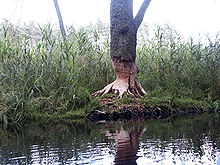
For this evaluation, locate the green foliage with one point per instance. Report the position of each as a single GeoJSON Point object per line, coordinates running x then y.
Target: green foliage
{"type": "Point", "coordinates": [169, 65]}
{"type": "Point", "coordinates": [40, 75]}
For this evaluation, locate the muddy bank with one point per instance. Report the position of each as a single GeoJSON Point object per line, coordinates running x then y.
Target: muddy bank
{"type": "Point", "coordinates": [130, 113]}
{"type": "Point", "coordinates": [136, 110]}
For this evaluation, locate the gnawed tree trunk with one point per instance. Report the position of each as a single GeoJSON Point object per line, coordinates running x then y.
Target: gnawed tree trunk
{"type": "Point", "coordinates": [124, 29]}
{"type": "Point", "coordinates": [62, 29]}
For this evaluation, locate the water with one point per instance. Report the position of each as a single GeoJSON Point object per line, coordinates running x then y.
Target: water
{"type": "Point", "coordinates": [184, 140]}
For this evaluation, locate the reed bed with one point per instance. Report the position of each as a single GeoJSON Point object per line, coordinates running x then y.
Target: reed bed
{"type": "Point", "coordinates": [42, 76]}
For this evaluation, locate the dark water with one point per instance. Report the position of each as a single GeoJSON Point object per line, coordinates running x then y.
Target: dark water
{"type": "Point", "coordinates": [185, 140]}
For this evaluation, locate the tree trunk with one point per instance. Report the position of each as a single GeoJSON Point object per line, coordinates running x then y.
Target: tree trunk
{"type": "Point", "coordinates": [124, 29]}
{"type": "Point", "coordinates": [62, 29]}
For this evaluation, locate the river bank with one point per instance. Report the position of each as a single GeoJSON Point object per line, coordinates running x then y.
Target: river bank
{"type": "Point", "coordinates": [147, 108]}
{"type": "Point", "coordinates": [111, 108]}
{"type": "Point", "coordinates": [43, 78]}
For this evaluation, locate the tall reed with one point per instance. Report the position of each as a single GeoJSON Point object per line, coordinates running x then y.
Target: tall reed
{"type": "Point", "coordinates": [181, 68]}
{"type": "Point", "coordinates": [42, 75]}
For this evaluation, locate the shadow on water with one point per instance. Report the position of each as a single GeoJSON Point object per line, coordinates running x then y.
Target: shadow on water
{"type": "Point", "coordinates": [185, 140]}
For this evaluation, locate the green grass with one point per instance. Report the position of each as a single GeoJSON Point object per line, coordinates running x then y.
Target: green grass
{"type": "Point", "coordinates": [41, 76]}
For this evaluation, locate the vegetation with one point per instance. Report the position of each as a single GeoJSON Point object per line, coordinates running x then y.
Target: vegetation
{"type": "Point", "coordinates": [43, 77]}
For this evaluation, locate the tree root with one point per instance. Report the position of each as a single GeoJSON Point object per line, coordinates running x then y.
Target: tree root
{"type": "Point", "coordinates": [123, 87]}
{"type": "Point", "coordinates": [126, 82]}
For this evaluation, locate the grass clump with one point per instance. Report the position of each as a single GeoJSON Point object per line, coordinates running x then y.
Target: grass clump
{"type": "Point", "coordinates": [42, 76]}
{"type": "Point", "coordinates": [182, 69]}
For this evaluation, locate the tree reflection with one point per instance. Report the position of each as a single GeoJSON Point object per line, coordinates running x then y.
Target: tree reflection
{"type": "Point", "coordinates": [128, 144]}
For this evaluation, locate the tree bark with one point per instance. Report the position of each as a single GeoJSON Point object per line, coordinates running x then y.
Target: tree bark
{"type": "Point", "coordinates": [62, 29]}
{"type": "Point", "coordinates": [124, 29]}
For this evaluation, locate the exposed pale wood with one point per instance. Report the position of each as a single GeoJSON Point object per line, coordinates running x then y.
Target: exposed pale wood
{"type": "Point", "coordinates": [126, 82]}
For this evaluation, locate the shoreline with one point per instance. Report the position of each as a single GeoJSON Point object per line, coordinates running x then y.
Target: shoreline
{"type": "Point", "coordinates": [112, 108]}
{"type": "Point", "coordinates": [133, 113]}
{"type": "Point", "coordinates": [133, 109]}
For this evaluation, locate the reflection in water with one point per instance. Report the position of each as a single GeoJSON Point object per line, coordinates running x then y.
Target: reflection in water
{"type": "Point", "coordinates": [128, 144]}
{"type": "Point", "coordinates": [187, 140]}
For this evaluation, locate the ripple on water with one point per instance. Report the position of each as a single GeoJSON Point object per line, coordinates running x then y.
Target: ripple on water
{"type": "Point", "coordinates": [177, 152]}
{"type": "Point", "coordinates": [154, 147]}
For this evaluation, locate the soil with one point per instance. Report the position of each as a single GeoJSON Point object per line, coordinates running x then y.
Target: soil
{"type": "Point", "coordinates": [111, 110]}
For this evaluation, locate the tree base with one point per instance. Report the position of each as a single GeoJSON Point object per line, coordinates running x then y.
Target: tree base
{"type": "Point", "coordinates": [126, 82]}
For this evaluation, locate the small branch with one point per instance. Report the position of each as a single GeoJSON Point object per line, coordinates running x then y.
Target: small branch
{"type": "Point", "coordinates": [140, 15]}
{"type": "Point", "coordinates": [63, 32]}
